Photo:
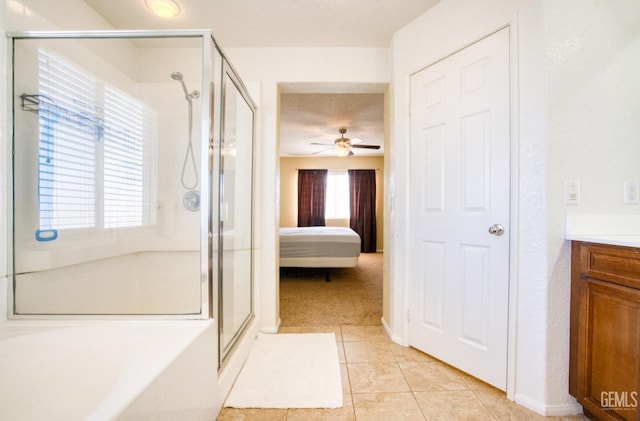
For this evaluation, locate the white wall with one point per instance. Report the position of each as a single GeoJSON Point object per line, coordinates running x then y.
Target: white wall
{"type": "Point", "coordinates": [576, 85]}
{"type": "Point", "coordinates": [593, 73]}
{"type": "Point", "coordinates": [270, 68]}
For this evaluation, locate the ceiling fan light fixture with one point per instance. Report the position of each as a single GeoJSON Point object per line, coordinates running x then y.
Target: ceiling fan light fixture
{"type": "Point", "coordinates": [166, 9]}
{"type": "Point", "coordinates": [342, 152]}
{"type": "Point", "coordinates": [342, 146]}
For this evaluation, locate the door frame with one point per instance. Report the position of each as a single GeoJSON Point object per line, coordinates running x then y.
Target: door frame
{"type": "Point", "coordinates": [512, 25]}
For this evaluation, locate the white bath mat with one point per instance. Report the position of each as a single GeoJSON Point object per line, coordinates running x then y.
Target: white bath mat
{"type": "Point", "coordinates": [289, 371]}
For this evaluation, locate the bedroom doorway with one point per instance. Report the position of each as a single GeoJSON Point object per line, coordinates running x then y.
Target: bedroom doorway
{"type": "Point", "coordinates": [311, 118]}
{"type": "Point", "coordinates": [460, 172]}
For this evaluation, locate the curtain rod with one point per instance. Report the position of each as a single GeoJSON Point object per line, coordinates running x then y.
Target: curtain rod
{"type": "Point", "coordinates": [337, 169]}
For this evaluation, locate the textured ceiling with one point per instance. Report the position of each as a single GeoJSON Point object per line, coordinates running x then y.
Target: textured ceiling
{"type": "Point", "coordinates": [305, 117]}
{"type": "Point", "coordinates": [316, 118]}
{"type": "Point", "coordinates": [276, 23]}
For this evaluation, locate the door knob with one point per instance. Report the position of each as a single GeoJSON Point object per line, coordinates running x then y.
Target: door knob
{"type": "Point", "coordinates": [496, 229]}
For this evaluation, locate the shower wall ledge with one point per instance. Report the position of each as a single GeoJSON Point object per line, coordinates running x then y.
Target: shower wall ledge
{"type": "Point", "coordinates": [61, 256]}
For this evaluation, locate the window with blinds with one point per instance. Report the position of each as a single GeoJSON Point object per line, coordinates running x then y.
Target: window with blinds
{"type": "Point", "coordinates": [97, 151]}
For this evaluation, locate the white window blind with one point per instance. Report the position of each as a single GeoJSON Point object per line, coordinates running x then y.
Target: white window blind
{"type": "Point", "coordinates": [97, 154]}
{"type": "Point", "coordinates": [337, 195]}
{"type": "Point", "coordinates": [129, 199]}
{"type": "Point", "coordinates": [66, 166]}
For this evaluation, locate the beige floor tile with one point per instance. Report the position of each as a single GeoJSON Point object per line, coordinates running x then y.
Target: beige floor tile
{"type": "Point", "coordinates": [374, 389]}
{"type": "Point", "coordinates": [462, 415]}
{"type": "Point", "coordinates": [341, 357]}
{"type": "Point", "coordinates": [471, 382]}
{"type": "Point", "coordinates": [454, 403]}
{"type": "Point", "coordinates": [368, 352]}
{"type": "Point", "coordinates": [386, 407]}
{"type": "Point", "coordinates": [235, 414]}
{"type": "Point", "coordinates": [376, 378]}
{"type": "Point", "coordinates": [504, 409]}
{"type": "Point", "coordinates": [405, 353]}
{"type": "Point", "coordinates": [344, 375]}
{"type": "Point", "coordinates": [426, 376]}
{"type": "Point", "coordinates": [490, 395]}
{"type": "Point", "coordinates": [338, 414]}
{"type": "Point", "coordinates": [323, 329]}
{"type": "Point", "coordinates": [364, 333]}
{"type": "Point", "coordinates": [289, 329]}
{"type": "Point", "coordinates": [516, 413]}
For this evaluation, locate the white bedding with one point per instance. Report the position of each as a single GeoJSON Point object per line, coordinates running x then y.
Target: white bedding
{"type": "Point", "coordinates": [319, 247]}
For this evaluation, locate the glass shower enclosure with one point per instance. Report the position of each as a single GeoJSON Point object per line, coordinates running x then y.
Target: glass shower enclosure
{"type": "Point", "coordinates": [132, 179]}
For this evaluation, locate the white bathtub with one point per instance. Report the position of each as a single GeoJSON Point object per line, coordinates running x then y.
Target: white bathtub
{"type": "Point", "coordinates": [108, 370]}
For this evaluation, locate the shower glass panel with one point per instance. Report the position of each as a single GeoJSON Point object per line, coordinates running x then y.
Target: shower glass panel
{"type": "Point", "coordinates": [236, 300]}
{"type": "Point", "coordinates": [117, 170]}
{"type": "Point", "coordinates": [105, 137]}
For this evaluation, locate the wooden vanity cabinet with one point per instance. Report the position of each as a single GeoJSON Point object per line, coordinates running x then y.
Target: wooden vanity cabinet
{"type": "Point", "coordinates": [604, 371]}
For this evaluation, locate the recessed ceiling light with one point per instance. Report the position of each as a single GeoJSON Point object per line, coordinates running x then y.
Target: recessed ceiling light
{"type": "Point", "coordinates": [164, 8]}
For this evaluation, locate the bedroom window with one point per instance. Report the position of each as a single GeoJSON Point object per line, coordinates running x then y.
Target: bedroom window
{"type": "Point", "coordinates": [97, 151]}
{"type": "Point", "coordinates": [337, 196]}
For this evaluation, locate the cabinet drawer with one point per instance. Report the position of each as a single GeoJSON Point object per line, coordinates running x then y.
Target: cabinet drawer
{"type": "Point", "coordinates": [620, 265]}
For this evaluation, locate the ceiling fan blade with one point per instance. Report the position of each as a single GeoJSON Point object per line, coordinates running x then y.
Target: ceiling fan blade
{"type": "Point", "coordinates": [322, 151]}
{"type": "Point", "coordinates": [323, 144]}
{"type": "Point", "coordinates": [350, 153]}
{"type": "Point", "coordinates": [366, 146]}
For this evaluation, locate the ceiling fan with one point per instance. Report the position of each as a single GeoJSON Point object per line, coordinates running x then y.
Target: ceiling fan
{"type": "Point", "coordinates": [343, 145]}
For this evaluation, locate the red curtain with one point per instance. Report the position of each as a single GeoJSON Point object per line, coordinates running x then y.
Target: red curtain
{"type": "Point", "coordinates": [362, 202]}
{"type": "Point", "coordinates": [312, 187]}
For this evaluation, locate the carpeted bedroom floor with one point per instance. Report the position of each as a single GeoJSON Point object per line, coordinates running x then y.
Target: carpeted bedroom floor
{"type": "Point", "coordinates": [352, 297]}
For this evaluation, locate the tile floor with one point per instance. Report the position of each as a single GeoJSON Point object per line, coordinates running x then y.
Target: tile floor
{"type": "Point", "coordinates": [385, 381]}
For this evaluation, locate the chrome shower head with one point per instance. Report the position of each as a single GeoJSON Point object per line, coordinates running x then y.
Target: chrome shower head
{"type": "Point", "coordinates": [188, 96]}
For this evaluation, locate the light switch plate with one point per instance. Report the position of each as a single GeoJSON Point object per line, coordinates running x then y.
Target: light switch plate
{"type": "Point", "coordinates": [572, 193]}
{"type": "Point", "coordinates": [630, 193]}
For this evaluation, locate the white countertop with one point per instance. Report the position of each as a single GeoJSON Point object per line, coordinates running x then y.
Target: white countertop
{"type": "Point", "coordinates": [618, 230]}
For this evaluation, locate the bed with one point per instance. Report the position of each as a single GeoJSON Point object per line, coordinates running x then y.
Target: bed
{"type": "Point", "coordinates": [319, 247]}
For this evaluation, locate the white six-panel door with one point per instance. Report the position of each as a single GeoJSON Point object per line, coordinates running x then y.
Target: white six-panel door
{"type": "Point", "coordinates": [459, 191]}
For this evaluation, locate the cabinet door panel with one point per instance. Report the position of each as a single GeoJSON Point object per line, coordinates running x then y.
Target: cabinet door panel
{"type": "Point", "coordinates": [609, 358]}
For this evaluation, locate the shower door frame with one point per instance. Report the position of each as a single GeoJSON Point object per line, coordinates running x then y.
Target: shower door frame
{"type": "Point", "coordinates": [227, 69]}
{"type": "Point", "coordinates": [208, 293]}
